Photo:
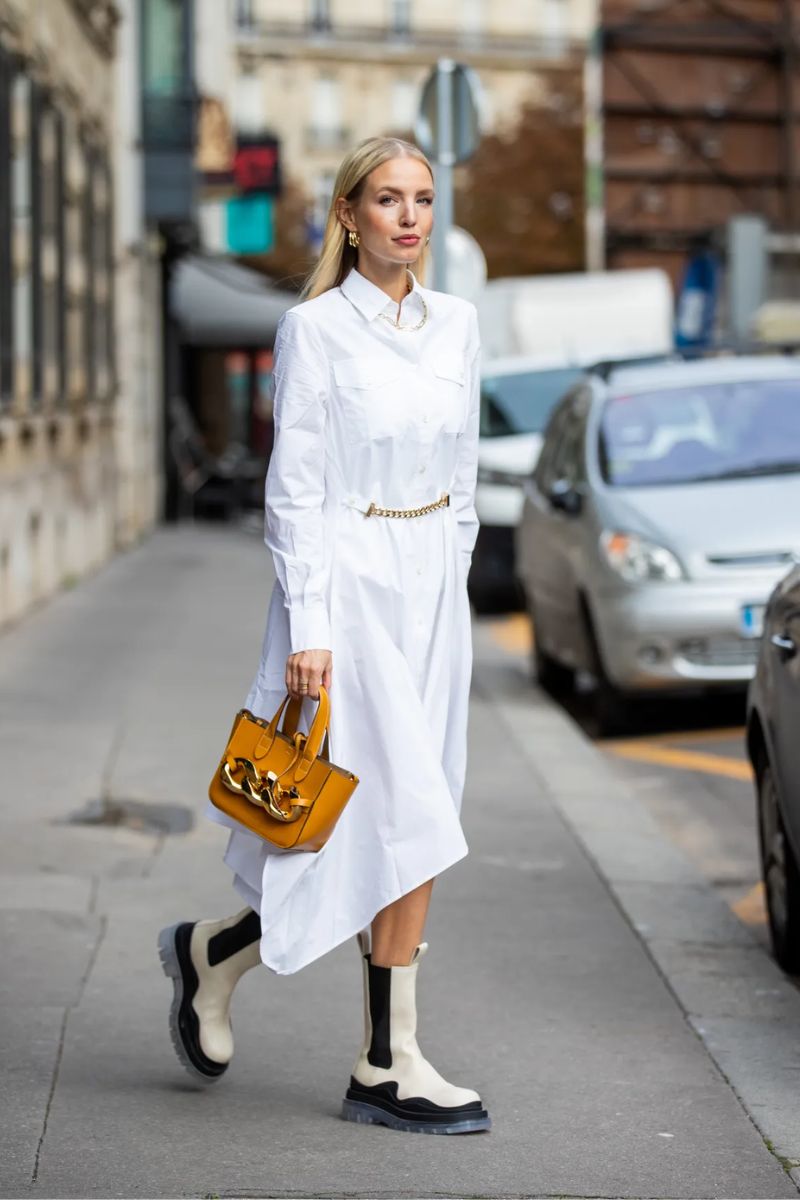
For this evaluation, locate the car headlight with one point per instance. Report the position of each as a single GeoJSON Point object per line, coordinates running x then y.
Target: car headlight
{"type": "Point", "coordinates": [638, 560]}
{"type": "Point", "coordinates": [507, 478]}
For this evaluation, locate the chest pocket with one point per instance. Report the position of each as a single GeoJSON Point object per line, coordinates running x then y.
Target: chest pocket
{"type": "Point", "coordinates": [373, 393]}
{"type": "Point", "coordinates": [451, 392]}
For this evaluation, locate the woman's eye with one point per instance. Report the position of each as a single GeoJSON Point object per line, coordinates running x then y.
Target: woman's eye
{"type": "Point", "coordinates": [422, 200]}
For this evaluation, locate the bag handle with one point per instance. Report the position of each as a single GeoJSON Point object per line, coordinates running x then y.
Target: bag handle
{"type": "Point", "coordinates": [318, 730]}
{"type": "Point", "coordinates": [289, 727]}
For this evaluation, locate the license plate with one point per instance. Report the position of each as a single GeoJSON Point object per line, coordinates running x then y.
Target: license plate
{"type": "Point", "coordinates": [752, 620]}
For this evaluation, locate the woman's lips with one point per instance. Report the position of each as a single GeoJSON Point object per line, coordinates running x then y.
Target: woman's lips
{"type": "Point", "coordinates": [408, 241]}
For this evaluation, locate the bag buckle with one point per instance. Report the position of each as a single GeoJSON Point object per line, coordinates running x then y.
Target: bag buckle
{"type": "Point", "coordinates": [265, 791]}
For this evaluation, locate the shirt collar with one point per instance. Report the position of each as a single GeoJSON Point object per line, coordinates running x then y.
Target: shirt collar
{"type": "Point", "coordinates": [370, 299]}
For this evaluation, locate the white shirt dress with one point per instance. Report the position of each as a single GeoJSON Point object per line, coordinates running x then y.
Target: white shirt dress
{"type": "Point", "coordinates": [365, 411]}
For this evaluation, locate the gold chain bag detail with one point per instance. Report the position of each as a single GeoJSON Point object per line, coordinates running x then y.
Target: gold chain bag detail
{"type": "Point", "coordinates": [277, 782]}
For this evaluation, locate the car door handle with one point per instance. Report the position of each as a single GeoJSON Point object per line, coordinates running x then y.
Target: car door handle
{"type": "Point", "coordinates": [782, 642]}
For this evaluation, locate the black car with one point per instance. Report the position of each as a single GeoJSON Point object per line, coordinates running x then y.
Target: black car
{"type": "Point", "coordinates": [773, 742]}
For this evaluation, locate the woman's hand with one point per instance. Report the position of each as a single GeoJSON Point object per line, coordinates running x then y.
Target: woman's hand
{"type": "Point", "coordinates": [306, 670]}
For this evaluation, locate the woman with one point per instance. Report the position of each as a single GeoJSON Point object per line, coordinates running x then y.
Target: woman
{"type": "Point", "coordinates": [371, 522]}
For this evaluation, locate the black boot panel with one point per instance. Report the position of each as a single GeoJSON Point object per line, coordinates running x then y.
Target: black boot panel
{"type": "Point", "coordinates": [230, 941]}
{"type": "Point", "coordinates": [380, 996]}
{"type": "Point", "coordinates": [188, 1024]}
{"type": "Point", "coordinates": [415, 1108]}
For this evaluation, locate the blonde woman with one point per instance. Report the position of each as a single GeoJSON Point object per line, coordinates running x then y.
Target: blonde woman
{"type": "Point", "coordinates": [371, 523]}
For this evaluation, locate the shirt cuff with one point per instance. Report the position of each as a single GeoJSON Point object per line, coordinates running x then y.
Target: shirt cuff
{"type": "Point", "coordinates": [309, 629]}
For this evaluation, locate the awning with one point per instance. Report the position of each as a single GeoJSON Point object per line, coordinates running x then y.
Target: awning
{"type": "Point", "coordinates": [218, 302]}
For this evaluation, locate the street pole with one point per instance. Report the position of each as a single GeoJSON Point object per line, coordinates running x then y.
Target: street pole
{"type": "Point", "coordinates": [443, 171]}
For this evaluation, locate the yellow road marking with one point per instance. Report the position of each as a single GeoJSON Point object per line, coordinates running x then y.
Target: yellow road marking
{"type": "Point", "coordinates": [685, 760]}
{"type": "Point", "coordinates": [695, 737]}
{"type": "Point", "coordinates": [513, 633]}
{"type": "Point", "coordinates": [751, 908]}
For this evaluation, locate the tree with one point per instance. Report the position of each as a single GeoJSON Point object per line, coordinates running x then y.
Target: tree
{"type": "Point", "coordinates": [521, 194]}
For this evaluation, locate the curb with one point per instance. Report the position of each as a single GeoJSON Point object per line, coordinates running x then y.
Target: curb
{"type": "Point", "coordinates": [735, 998]}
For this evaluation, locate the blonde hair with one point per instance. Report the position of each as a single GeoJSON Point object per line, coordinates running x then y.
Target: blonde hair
{"type": "Point", "coordinates": [337, 256]}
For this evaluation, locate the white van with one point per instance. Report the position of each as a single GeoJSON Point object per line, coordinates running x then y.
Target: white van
{"type": "Point", "coordinates": [537, 334]}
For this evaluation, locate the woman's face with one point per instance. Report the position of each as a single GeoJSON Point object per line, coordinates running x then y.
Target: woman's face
{"type": "Point", "coordinates": [395, 204]}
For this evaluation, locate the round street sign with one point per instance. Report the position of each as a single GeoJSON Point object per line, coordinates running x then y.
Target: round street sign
{"type": "Point", "coordinates": [459, 140]}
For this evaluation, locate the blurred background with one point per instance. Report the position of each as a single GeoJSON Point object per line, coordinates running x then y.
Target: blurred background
{"type": "Point", "coordinates": [167, 169]}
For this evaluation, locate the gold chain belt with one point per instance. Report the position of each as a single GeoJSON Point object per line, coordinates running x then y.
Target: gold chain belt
{"type": "Point", "coordinates": [374, 511]}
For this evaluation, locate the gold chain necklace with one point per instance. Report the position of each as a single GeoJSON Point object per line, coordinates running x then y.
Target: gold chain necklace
{"type": "Point", "coordinates": [408, 328]}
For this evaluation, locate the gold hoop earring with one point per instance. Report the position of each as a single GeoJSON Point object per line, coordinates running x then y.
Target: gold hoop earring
{"type": "Point", "coordinates": [427, 239]}
{"type": "Point", "coordinates": [353, 237]}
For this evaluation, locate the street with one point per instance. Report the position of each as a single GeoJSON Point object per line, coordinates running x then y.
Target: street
{"type": "Point", "coordinates": [629, 1033]}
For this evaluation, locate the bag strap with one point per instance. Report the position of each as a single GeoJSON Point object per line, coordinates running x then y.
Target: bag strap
{"type": "Point", "coordinates": [316, 734]}
{"type": "Point", "coordinates": [291, 720]}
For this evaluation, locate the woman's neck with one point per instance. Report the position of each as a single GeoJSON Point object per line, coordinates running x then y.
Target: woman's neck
{"type": "Point", "coordinates": [392, 279]}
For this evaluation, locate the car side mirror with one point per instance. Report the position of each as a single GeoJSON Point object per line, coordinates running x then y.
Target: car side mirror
{"type": "Point", "coordinates": [565, 497]}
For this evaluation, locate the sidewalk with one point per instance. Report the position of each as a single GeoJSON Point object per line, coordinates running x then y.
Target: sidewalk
{"type": "Point", "coordinates": [577, 963]}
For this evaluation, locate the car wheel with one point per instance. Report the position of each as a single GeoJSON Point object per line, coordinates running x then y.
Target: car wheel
{"type": "Point", "coordinates": [611, 707]}
{"type": "Point", "coordinates": [780, 874]}
{"type": "Point", "coordinates": [548, 672]}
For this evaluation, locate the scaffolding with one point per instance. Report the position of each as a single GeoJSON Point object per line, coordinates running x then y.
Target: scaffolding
{"type": "Point", "coordinates": [696, 106]}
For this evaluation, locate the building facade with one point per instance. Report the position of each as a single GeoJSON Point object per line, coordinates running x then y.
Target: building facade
{"type": "Point", "coordinates": [78, 472]}
{"type": "Point", "coordinates": [324, 74]}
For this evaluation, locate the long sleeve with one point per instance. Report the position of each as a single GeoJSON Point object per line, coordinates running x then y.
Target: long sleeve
{"type": "Point", "coordinates": [294, 527]}
{"type": "Point", "coordinates": [463, 492]}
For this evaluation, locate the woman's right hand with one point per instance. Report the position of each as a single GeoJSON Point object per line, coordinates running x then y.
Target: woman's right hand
{"type": "Point", "coordinates": [306, 670]}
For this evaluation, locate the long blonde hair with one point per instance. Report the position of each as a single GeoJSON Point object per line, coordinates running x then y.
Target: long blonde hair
{"type": "Point", "coordinates": [337, 255]}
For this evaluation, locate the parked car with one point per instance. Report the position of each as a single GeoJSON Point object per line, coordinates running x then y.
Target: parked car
{"type": "Point", "coordinates": [661, 514]}
{"type": "Point", "coordinates": [773, 743]}
{"type": "Point", "coordinates": [538, 334]}
{"type": "Point", "coordinates": [517, 396]}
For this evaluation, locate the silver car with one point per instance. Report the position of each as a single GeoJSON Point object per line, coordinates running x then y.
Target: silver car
{"type": "Point", "coordinates": [663, 510]}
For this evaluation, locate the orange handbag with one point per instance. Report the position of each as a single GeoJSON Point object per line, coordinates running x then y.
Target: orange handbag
{"type": "Point", "coordinates": [277, 782]}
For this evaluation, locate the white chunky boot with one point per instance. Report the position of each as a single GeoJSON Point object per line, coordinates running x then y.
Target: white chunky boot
{"type": "Point", "coordinates": [205, 960]}
{"type": "Point", "coordinates": [392, 1083]}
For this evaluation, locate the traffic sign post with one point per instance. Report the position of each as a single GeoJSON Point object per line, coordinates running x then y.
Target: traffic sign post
{"type": "Point", "coordinates": [448, 130]}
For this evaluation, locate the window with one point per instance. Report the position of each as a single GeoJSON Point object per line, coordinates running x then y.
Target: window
{"type": "Point", "coordinates": [563, 453]}
{"type": "Point", "coordinates": [472, 17]}
{"type": "Point", "coordinates": [100, 276]}
{"type": "Point", "coordinates": [6, 270]}
{"type": "Point", "coordinates": [326, 103]}
{"type": "Point", "coordinates": [554, 26]}
{"type": "Point", "coordinates": [21, 236]}
{"type": "Point", "coordinates": [323, 191]}
{"type": "Point", "coordinates": [320, 15]}
{"type": "Point", "coordinates": [77, 222]}
{"type": "Point", "coordinates": [48, 251]}
{"type": "Point", "coordinates": [522, 402]}
{"type": "Point", "coordinates": [401, 16]}
{"type": "Point", "coordinates": [405, 100]}
{"type": "Point", "coordinates": [243, 13]}
{"type": "Point", "coordinates": [736, 429]}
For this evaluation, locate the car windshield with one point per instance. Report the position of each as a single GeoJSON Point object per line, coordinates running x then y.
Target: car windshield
{"type": "Point", "coordinates": [521, 403]}
{"type": "Point", "coordinates": [700, 433]}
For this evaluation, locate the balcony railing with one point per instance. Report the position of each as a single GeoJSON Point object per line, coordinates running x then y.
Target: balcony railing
{"type": "Point", "coordinates": [514, 45]}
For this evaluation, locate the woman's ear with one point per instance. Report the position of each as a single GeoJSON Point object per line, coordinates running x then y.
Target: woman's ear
{"type": "Point", "coordinates": [344, 212]}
